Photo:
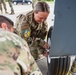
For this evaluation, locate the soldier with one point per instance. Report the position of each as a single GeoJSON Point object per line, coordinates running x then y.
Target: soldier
{"type": "Point", "coordinates": [33, 28]}
{"type": "Point", "coordinates": [11, 6]}
{"type": "Point", "coordinates": [15, 57]}
{"type": "Point", "coordinates": [4, 5]}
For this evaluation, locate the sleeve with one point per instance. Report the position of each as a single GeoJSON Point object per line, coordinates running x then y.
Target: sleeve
{"type": "Point", "coordinates": [18, 23]}
{"type": "Point", "coordinates": [27, 63]}
{"type": "Point", "coordinates": [25, 28]}
{"type": "Point", "coordinates": [44, 30]}
{"type": "Point", "coordinates": [43, 33]}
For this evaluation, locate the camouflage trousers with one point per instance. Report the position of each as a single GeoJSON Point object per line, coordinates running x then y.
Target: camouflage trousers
{"type": "Point", "coordinates": [4, 5]}
{"type": "Point", "coordinates": [11, 6]}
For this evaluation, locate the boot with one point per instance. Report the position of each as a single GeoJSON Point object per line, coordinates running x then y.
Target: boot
{"type": "Point", "coordinates": [6, 12]}
{"type": "Point", "coordinates": [12, 12]}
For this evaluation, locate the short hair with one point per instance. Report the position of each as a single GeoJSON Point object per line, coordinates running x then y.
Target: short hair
{"type": "Point", "coordinates": [41, 7]}
{"type": "Point", "coordinates": [8, 21]}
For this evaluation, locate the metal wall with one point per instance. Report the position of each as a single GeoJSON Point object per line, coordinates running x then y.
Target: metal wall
{"type": "Point", "coordinates": [63, 41]}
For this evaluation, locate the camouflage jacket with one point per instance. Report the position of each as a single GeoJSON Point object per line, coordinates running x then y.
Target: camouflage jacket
{"type": "Point", "coordinates": [15, 57]}
{"type": "Point", "coordinates": [31, 31]}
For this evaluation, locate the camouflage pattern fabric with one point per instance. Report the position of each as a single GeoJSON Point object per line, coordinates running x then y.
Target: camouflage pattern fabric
{"type": "Point", "coordinates": [15, 57]}
{"type": "Point", "coordinates": [4, 5]}
{"type": "Point", "coordinates": [32, 32]}
{"type": "Point", "coordinates": [11, 6]}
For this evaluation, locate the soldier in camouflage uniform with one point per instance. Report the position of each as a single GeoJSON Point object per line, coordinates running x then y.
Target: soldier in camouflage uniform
{"type": "Point", "coordinates": [4, 5]}
{"type": "Point", "coordinates": [11, 6]}
{"type": "Point", "coordinates": [33, 28]}
{"type": "Point", "coordinates": [15, 57]}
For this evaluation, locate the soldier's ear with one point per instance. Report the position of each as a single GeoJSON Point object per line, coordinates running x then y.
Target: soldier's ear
{"type": "Point", "coordinates": [4, 25]}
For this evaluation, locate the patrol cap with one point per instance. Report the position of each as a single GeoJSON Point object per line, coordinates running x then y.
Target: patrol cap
{"type": "Point", "coordinates": [7, 19]}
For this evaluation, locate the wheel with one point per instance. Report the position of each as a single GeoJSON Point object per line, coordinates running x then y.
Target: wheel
{"type": "Point", "coordinates": [22, 3]}
{"type": "Point", "coordinates": [29, 3]}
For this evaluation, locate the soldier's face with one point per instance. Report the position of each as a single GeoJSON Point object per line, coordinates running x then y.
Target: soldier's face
{"type": "Point", "coordinates": [40, 16]}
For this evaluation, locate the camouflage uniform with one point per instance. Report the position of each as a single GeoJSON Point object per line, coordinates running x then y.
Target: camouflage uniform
{"type": "Point", "coordinates": [4, 5]}
{"type": "Point", "coordinates": [32, 32]}
{"type": "Point", "coordinates": [15, 57]}
{"type": "Point", "coordinates": [11, 6]}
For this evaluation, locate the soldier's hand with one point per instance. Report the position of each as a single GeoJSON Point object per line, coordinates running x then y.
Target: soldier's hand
{"type": "Point", "coordinates": [45, 53]}
{"type": "Point", "coordinates": [46, 46]}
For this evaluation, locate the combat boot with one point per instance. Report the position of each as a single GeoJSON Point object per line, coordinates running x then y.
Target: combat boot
{"type": "Point", "coordinates": [6, 12]}
{"type": "Point", "coordinates": [12, 12]}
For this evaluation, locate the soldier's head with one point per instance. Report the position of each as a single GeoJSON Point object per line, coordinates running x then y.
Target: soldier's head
{"type": "Point", "coordinates": [6, 23]}
{"type": "Point", "coordinates": [41, 11]}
